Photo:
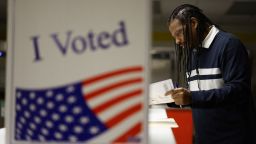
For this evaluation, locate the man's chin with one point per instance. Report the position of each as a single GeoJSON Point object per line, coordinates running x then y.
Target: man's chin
{"type": "Point", "coordinates": [181, 46]}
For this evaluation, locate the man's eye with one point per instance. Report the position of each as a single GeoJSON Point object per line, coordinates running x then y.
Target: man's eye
{"type": "Point", "coordinates": [179, 32]}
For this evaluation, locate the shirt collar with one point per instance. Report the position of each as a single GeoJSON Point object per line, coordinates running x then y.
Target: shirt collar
{"type": "Point", "coordinates": [210, 36]}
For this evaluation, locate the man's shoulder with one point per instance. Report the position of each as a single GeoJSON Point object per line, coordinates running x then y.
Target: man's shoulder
{"type": "Point", "coordinates": [230, 42]}
{"type": "Point", "coordinates": [226, 36]}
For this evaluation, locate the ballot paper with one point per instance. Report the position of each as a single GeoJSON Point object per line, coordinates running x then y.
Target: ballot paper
{"type": "Point", "coordinates": [168, 122]}
{"type": "Point", "coordinates": [157, 92]}
{"type": "Point", "coordinates": [159, 117]}
{"type": "Point", "coordinates": [2, 135]}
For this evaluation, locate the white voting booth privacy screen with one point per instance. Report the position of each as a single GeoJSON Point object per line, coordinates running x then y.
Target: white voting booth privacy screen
{"type": "Point", "coordinates": [77, 71]}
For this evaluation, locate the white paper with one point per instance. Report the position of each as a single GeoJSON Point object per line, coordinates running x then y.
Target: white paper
{"type": "Point", "coordinates": [160, 133]}
{"type": "Point", "coordinates": [158, 90]}
{"type": "Point", "coordinates": [2, 135]}
{"type": "Point", "coordinates": [156, 113]}
{"type": "Point", "coordinates": [159, 117]}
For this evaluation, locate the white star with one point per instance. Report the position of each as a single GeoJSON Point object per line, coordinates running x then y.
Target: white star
{"type": "Point", "coordinates": [19, 125]}
{"type": "Point", "coordinates": [62, 108]}
{"type": "Point", "coordinates": [37, 119]}
{"type": "Point", "coordinates": [28, 137]}
{"type": "Point", "coordinates": [22, 119]}
{"type": "Point", "coordinates": [18, 131]}
{"type": "Point", "coordinates": [78, 129]}
{"type": "Point", "coordinates": [50, 105]}
{"type": "Point", "coordinates": [32, 126]}
{"type": "Point", "coordinates": [57, 135]}
{"type": "Point", "coordinates": [49, 93]}
{"type": "Point", "coordinates": [94, 130]}
{"type": "Point", "coordinates": [69, 119]}
{"type": "Point", "coordinates": [72, 138]}
{"type": "Point", "coordinates": [40, 101]}
{"type": "Point", "coordinates": [43, 113]}
{"type": "Point", "coordinates": [27, 114]}
{"type": "Point", "coordinates": [71, 99]}
{"type": "Point", "coordinates": [44, 131]}
{"type": "Point", "coordinates": [18, 107]}
{"type": "Point", "coordinates": [84, 120]}
{"type": "Point", "coordinates": [49, 124]}
{"type": "Point", "coordinates": [18, 94]}
{"type": "Point", "coordinates": [59, 97]}
{"type": "Point", "coordinates": [32, 107]}
{"type": "Point", "coordinates": [63, 127]}
{"type": "Point", "coordinates": [30, 132]}
{"type": "Point", "coordinates": [70, 89]}
{"type": "Point", "coordinates": [77, 110]}
{"type": "Point", "coordinates": [55, 117]}
{"type": "Point", "coordinates": [32, 95]}
{"type": "Point", "coordinates": [24, 101]}
{"type": "Point", "coordinates": [41, 137]}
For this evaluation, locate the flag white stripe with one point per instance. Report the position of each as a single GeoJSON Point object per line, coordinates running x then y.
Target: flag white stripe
{"type": "Point", "coordinates": [115, 79]}
{"type": "Point", "coordinates": [120, 107]}
{"type": "Point", "coordinates": [116, 131]}
{"type": "Point", "coordinates": [206, 71]}
{"type": "Point", "coordinates": [111, 95]}
{"type": "Point", "coordinates": [206, 84]}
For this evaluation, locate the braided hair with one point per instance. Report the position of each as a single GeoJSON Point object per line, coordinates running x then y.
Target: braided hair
{"type": "Point", "coordinates": [184, 13]}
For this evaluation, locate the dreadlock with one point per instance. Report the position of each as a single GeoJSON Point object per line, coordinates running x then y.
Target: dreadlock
{"type": "Point", "coordinates": [184, 13]}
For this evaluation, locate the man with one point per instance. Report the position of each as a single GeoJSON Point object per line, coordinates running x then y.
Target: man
{"type": "Point", "coordinates": [217, 76]}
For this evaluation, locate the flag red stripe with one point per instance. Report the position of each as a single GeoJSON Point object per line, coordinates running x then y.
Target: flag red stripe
{"type": "Point", "coordinates": [113, 73]}
{"type": "Point", "coordinates": [123, 115]}
{"type": "Point", "coordinates": [97, 92]}
{"type": "Point", "coordinates": [136, 129]}
{"type": "Point", "coordinates": [116, 100]}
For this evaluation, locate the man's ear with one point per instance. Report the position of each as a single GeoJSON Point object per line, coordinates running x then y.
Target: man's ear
{"type": "Point", "coordinates": [194, 22]}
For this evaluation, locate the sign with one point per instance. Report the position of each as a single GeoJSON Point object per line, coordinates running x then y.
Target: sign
{"type": "Point", "coordinates": [77, 71]}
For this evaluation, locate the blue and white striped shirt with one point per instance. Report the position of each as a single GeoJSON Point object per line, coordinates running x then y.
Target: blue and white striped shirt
{"type": "Point", "coordinates": [220, 90]}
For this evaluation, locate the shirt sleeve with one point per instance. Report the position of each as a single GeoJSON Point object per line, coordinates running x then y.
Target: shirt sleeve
{"type": "Point", "coordinates": [236, 75]}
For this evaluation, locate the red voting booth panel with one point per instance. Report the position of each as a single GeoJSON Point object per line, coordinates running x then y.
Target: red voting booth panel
{"type": "Point", "coordinates": [183, 117]}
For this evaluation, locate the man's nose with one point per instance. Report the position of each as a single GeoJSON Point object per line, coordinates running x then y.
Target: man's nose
{"type": "Point", "coordinates": [178, 41]}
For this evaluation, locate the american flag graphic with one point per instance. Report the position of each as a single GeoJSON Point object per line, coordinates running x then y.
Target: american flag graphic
{"type": "Point", "coordinates": [105, 108]}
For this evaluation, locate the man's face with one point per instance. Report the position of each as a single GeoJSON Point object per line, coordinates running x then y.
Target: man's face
{"type": "Point", "coordinates": [176, 30]}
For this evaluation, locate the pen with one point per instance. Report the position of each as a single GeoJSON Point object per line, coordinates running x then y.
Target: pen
{"type": "Point", "coordinates": [176, 85]}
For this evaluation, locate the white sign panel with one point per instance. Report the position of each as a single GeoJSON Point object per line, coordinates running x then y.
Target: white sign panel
{"type": "Point", "coordinates": [77, 71]}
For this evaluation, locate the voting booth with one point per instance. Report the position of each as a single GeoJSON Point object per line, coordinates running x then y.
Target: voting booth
{"type": "Point", "coordinates": [77, 71]}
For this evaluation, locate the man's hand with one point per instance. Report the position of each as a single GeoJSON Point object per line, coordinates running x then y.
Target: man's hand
{"type": "Point", "coordinates": [181, 96]}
